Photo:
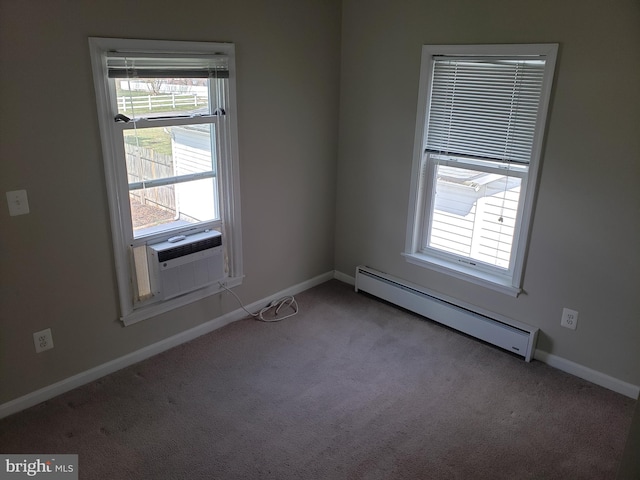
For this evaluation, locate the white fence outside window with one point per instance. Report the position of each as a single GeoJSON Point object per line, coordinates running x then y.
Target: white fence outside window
{"type": "Point", "coordinates": [169, 101]}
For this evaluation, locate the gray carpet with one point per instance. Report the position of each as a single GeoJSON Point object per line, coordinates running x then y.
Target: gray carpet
{"type": "Point", "coordinates": [351, 388]}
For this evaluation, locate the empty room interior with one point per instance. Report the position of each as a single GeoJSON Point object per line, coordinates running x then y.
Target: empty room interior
{"type": "Point", "coordinates": [396, 359]}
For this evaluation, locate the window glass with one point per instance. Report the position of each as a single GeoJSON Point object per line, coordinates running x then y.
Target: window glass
{"type": "Point", "coordinates": [159, 97]}
{"type": "Point", "coordinates": [474, 215]}
{"type": "Point", "coordinates": [171, 174]}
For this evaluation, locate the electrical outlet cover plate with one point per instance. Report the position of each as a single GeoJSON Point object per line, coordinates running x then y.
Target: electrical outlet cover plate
{"type": "Point", "coordinates": [569, 318]}
{"type": "Point", "coordinates": [43, 340]}
{"type": "Point", "coordinates": [18, 202]}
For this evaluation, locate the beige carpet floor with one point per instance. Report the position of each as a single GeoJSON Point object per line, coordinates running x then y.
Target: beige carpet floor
{"type": "Point", "coordinates": [351, 388]}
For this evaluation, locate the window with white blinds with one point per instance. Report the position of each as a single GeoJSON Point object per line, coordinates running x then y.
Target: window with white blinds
{"type": "Point", "coordinates": [485, 108]}
{"type": "Point", "coordinates": [478, 141]}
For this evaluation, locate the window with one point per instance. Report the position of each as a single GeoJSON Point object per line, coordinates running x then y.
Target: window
{"type": "Point", "coordinates": [479, 134]}
{"type": "Point", "coordinates": [167, 119]}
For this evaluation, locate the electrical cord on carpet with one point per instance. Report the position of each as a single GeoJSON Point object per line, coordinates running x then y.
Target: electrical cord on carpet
{"type": "Point", "coordinates": [288, 301]}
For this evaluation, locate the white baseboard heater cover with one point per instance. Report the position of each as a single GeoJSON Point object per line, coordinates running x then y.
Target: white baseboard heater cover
{"type": "Point", "coordinates": [490, 327]}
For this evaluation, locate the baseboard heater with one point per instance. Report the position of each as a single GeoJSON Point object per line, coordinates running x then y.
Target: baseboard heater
{"type": "Point", "coordinates": [490, 327]}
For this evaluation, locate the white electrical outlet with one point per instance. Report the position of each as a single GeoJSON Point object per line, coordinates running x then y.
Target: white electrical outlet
{"type": "Point", "coordinates": [18, 202]}
{"type": "Point", "coordinates": [43, 340]}
{"type": "Point", "coordinates": [569, 318]}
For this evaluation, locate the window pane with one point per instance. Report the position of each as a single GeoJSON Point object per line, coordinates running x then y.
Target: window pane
{"type": "Point", "coordinates": [161, 97]}
{"type": "Point", "coordinates": [160, 208]}
{"type": "Point", "coordinates": [161, 166]}
{"type": "Point", "coordinates": [474, 214]}
{"type": "Point", "coordinates": [159, 152]}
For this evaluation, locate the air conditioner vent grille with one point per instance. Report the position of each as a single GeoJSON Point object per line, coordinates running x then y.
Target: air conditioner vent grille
{"type": "Point", "coordinates": [189, 248]}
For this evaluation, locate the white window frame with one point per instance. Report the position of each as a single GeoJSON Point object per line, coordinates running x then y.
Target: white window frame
{"type": "Point", "coordinates": [133, 309]}
{"type": "Point", "coordinates": [423, 169]}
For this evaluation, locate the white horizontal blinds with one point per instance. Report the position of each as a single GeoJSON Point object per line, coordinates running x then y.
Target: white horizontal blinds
{"type": "Point", "coordinates": [131, 65]}
{"type": "Point", "coordinates": [485, 107]}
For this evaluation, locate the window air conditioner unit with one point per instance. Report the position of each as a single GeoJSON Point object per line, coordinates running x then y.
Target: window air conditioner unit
{"type": "Point", "coordinates": [185, 263]}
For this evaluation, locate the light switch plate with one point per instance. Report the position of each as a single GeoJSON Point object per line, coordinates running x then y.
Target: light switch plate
{"type": "Point", "coordinates": [18, 202]}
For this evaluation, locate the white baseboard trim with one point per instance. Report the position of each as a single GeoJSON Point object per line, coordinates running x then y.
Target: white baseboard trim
{"type": "Point", "coordinates": [593, 376]}
{"type": "Point", "coordinates": [58, 388]}
{"type": "Point", "coordinates": [343, 277]}
{"type": "Point", "coordinates": [82, 378]}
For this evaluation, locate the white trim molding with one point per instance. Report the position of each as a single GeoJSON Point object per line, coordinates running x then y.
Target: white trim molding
{"type": "Point", "coordinates": [627, 389]}
{"type": "Point", "coordinates": [82, 378]}
{"type": "Point", "coordinates": [344, 278]}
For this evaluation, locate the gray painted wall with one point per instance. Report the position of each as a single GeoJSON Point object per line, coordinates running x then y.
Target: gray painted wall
{"type": "Point", "coordinates": [586, 231]}
{"type": "Point", "coordinates": [56, 263]}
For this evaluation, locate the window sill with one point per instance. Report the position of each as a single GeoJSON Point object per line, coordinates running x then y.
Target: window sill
{"type": "Point", "coordinates": [484, 279]}
{"type": "Point", "coordinates": [145, 312]}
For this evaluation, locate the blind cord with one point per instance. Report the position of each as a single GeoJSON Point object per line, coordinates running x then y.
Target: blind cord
{"type": "Point", "coordinates": [288, 301]}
